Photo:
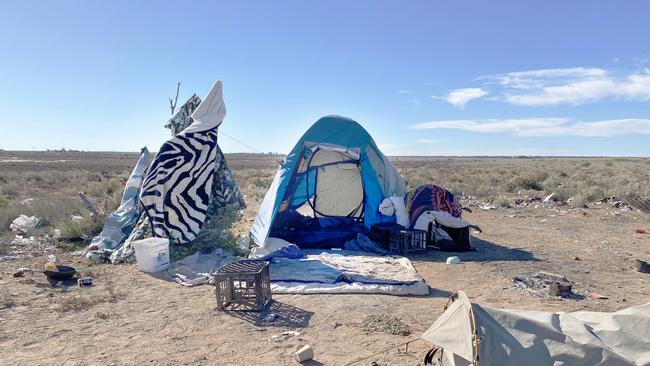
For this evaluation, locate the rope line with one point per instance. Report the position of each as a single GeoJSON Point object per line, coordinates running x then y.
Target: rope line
{"type": "Point", "coordinates": [239, 142]}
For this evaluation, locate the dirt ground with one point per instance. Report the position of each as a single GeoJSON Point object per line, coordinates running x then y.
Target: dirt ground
{"type": "Point", "coordinates": [132, 318]}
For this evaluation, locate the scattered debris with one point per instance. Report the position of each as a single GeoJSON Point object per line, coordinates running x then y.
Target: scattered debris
{"type": "Point", "coordinates": [84, 282]}
{"type": "Point", "coordinates": [385, 323]}
{"type": "Point", "coordinates": [270, 318]}
{"type": "Point", "coordinates": [335, 325]}
{"type": "Point", "coordinates": [285, 335]}
{"type": "Point", "coordinates": [545, 284]}
{"type": "Point", "coordinates": [22, 240]}
{"type": "Point", "coordinates": [305, 353]}
{"type": "Point", "coordinates": [8, 257]}
{"type": "Point", "coordinates": [487, 206]}
{"type": "Point", "coordinates": [25, 224]}
{"type": "Point", "coordinates": [640, 203]}
{"type": "Point", "coordinates": [27, 201]}
{"type": "Point", "coordinates": [562, 289]}
{"type": "Point", "coordinates": [642, 266]}
{"type": "Point", "coordinates": [453, 260]}
{"type": "Point", "coordinates": [551, 197]}
{"type": "Point", "coordinates": [597, 296]}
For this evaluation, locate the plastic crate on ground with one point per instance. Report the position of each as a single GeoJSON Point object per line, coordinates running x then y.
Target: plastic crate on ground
{"type": "Point", "coordinates": [408, 242]}
{"type": "Point", "coordinates": [243, 285]}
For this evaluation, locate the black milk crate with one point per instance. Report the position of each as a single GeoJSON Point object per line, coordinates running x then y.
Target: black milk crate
{"type": "Point", "coordinates": [243, 285]}
{"type": "Point", "coordinates": [408, 242]}
{"type": "Point", "coordinates": [380, 233]}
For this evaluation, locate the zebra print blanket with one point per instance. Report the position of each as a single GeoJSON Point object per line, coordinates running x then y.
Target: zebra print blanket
{"type": "Point", "coordinates": [176, 191]}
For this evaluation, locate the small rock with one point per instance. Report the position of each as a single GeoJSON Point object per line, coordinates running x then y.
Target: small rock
{"type": "Point", "coordinates": [642, 266]}
{"type": "Point", "coordinates": [453, 260]}
{"type": "Point", "coordinates": [577, 258]}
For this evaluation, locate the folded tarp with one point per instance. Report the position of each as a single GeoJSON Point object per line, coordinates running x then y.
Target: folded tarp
{"type": "Point", "coordinates": [120, 223]}
{"type": "Point", "coordinates": [471, 334]}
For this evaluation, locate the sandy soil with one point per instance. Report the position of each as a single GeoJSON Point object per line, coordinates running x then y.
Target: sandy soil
{"type": "Point", "coordinates": [131, 318]}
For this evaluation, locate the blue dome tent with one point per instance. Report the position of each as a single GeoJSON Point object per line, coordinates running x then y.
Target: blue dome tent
{"type": "Point", "coordinates": [328, 188]}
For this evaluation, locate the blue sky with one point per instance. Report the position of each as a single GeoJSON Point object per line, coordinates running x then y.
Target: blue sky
{"type": "Point", "coordinates": [424, 77]}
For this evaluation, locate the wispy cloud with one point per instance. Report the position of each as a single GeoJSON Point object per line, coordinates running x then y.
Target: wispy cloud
{"type": "Point", "coordinates": [549, 87]}
{"type": "Point", "coordinates": [587, 90]}
{"type": "Point", "coordinates": [459, 97]}
{"type": "Point", "coordinates": [539, 78]}
{"type": "Point", "coordinates": [539, 127]}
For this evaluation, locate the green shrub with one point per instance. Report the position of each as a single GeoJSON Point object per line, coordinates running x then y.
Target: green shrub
{"type": "Point", "coordinates": [85, 229]}
{"type": "Point", "coordinates": [524, 182]}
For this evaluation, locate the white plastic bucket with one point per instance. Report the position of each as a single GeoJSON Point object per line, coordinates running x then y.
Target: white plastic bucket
{"type": "Point", "coordinates": [152, 254]}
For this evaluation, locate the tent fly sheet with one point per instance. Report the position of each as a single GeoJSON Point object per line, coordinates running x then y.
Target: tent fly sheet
{"type": "Point", "coordinates": [472, 334]}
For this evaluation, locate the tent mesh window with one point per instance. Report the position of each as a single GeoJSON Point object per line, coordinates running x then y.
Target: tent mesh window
{"type": "Point", "coordinates": [408, 242]}
{"type": "Point", "coordinates": [243, 285]}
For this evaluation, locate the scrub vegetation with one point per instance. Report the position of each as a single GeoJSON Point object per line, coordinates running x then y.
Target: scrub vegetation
{"type": "Point", "coordinates": [46, 184]}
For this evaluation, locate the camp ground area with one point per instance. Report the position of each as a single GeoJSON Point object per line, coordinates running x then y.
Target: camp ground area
{"type": "Point", "coordinates": [333, 254]}
{"type": "Point", "coordinates": [129, 317]}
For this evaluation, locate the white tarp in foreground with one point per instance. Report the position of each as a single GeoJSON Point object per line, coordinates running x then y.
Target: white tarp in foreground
{"type": "Point", "coordinates": [471, 334]}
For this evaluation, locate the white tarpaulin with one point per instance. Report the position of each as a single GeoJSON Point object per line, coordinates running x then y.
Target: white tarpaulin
{"type": "Point", "coordinates": [519, 337]}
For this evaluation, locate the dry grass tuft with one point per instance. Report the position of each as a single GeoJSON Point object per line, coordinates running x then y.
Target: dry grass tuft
{"type": "Point", "coordinates": [81, 302]}
{"type": "Point", "coordinates": [384, 323]}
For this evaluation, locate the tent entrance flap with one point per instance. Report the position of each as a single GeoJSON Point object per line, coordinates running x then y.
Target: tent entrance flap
{"type": "Point", "coordinates": [338, 187]}
{"type": "Point", "coordinates": [328, 184]}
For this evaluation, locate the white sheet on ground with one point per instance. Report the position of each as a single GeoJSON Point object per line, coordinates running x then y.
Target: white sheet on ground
{"type": "Point", "coordinates": [361, 272]}
{"type": "Point", "coordinates": [306, 288]}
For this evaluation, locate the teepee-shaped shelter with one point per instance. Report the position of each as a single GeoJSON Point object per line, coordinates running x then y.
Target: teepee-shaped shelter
{"type": "Point", "coordinates": [187, 184]}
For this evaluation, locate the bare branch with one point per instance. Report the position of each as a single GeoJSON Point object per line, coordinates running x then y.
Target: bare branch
{"type": "Point", "coordinates": [172, 103]}
{"type": "Point", "coordinates": [89, 206]}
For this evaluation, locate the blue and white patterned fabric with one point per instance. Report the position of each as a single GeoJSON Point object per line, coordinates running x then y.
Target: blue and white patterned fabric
{"type": "Point", "coordinates": [119, 224]}
{"type": "Point", "coordinates": [176, 191]}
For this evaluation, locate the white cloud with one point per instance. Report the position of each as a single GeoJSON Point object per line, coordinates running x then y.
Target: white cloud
{"type": "Point", "coordinates": [635, 87]}
{"type": "Point", "coordinates": [539, 127]}
{"type": "Point", "coordinates": [538, 78]}
{"type": "Point", "coordinates": [459, 97]}
{"type": "Point", "coordinates": [548, 87]}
